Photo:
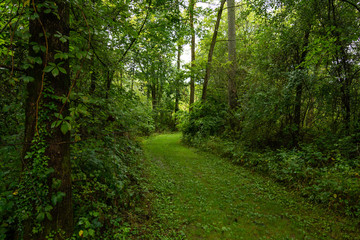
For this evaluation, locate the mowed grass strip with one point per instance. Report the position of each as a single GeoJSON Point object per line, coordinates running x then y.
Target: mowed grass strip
{"type": "Point", "coordinates": [201, 196]}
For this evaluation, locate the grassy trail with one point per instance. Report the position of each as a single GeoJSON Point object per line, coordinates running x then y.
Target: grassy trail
{"type": "Point", "coordinates": [201, 196]}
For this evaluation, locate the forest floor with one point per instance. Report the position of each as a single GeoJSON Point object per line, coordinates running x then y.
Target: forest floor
{"type": "Point", "coordinates": [196, 195]}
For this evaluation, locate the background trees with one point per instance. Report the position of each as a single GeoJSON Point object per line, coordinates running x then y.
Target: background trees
{"type": "Point", "coordinates": [297, 85]}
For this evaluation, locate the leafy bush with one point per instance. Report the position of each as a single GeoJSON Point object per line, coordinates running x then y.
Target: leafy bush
{"type": "Point", "coordinates": [205, 119]}
{"type": "Point", "coordinates": [106, 176]}
{"type": "Point", "coordinates": [105, 166]}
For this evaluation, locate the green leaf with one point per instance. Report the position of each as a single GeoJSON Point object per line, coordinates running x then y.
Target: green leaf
{"type": "Point", "coordinates": [63, 39]}
{"type": "Point", "coordinates": [78, 55]}
{"type": "Point", "coordinates": [58, 115]}
{"type": "Point", "coordinates": [48, 215]}
{"type": "Point", "coordinates": [38, 60]}
{"type": "Point", "coordinates": [58, 123]}
{"type": "Point", "coordinates": [56, 183]}
{"type": "Point", "coordinates": [34, 16]}
{"type": "Point", "coordinates": [48, 208]}
{"type": "Point", "coordinates": [65, 127]}
{"type": "Point", "coordinates": [27, 79]}
{"type": "Point", "coordinates": [62, 70]}
{"type": "Point", "coordinates": [91, 232]}
{"type": "Point", "coordinates": [36, 48]}
{"type": "Point", "coordinates": [40, 217]}
{"type": "Point", "coordinates": [48, 69]}
{"type": "Point", "coordinates": [57, 197]}
{"type": "Point", "coordinates": [55, 72]}
{"type": "Point", "coordinates": [26, 66]}
{"type": "Point", "coordinates": [58, 55]}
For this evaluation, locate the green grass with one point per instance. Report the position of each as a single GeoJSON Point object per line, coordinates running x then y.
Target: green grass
{"type": "Point", "coordinates": [197, 195]}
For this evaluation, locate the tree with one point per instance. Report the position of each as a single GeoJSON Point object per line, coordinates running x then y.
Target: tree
{"type": "Point", "coordinates": [192, 77]}
{"type": "Point", "coordinates": [177, 82]}
{"type": "Point", "coordinates": [232, 91]}
{"type": "Point", "coordinates": [211, 51]}
{"type": "Point", "coordinates": [46, 151]}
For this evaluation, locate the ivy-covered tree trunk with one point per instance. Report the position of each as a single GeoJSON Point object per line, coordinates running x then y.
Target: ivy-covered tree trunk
{"type": "Point", "coordinates": [47, 149]}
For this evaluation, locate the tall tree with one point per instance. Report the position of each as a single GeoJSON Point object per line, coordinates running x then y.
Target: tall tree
{"type": "Point", "coordinates": [178, 65]}
{"type": "Point", "coordinates": [192, 77]}
{"type": "Point", "coordinates": [211, 51]}
{"type": "Point", "coordinates": [299, 88]}
{"type": "Point", "coordinates": [232, 90]}
{"type": "Point", "coordinates": [177, 83]}
{"type": "Point", "coordinates": [47, 149]}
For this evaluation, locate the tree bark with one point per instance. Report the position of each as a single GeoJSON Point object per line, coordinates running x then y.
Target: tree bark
{"type": "Point", "coordinates": [154, 96]}
{"type": "Point", "coordinates": [109, 78]}
{"type": "Point", "coordinates": [232, 90]}
{"type": "Point", "coordinates": [211, 51]}
{"type": "Point", "coordinates": [92, 79]}
{"type": "Point", "coordinates": [177, 90]}
{"type": "Point", "coordinates": [192, 77]}
{"type": "Point", "coordinates": [40, 116]}
{"type": "Point", "coordinates": [299, 91]}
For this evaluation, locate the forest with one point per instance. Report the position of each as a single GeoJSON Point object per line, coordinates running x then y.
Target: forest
{"type": "Point", "coordinates": [117, 115]}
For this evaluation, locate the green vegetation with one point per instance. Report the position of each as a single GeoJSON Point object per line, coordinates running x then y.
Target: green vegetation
{"type": "Point", "coordinates": [272, 85]}
{"type": "Point", "coordinates": [198, 195]}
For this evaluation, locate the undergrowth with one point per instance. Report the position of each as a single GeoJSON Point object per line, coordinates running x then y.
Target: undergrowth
{"type": "Point", "coordinates": [325, 178]}
{"type": "Point", "coordinates": [106, 171]}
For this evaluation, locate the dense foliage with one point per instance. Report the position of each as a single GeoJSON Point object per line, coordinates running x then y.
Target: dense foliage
{"type": "Point", "coordinates": [297, 117]}
{"type": "Point", "coordinates": [106, 57]}
{"type": "Point", "coordinates": [81, 80]}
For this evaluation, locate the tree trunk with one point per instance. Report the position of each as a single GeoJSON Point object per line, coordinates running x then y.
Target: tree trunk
{"type": "Point", "coordinates": [345, 99]}
{"type": "Point", "coordinates": [232, 91]}
{"type": "Point", "coordinates": [92, 79]}
{"type": "Point", "coordinates": [109, 79]}
{"type": "Point", "coordinates": [211, 51]}
{"type": "Point", "coordinates": [40, 111]}
{"type": "Point", "coordinates": [299, 91]}
{"type": "Point", "coordinates": [297, 113]}
{"type": "Point", "coordinates": [192, 77]}
{"type": "Point", "coordinates": [177, 84]}
{"type": "Point", "coordinates": [153, 96]}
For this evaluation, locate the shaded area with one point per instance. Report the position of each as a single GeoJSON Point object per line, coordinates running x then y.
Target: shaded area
{"type": "Point", "coordinates": [200, 196]}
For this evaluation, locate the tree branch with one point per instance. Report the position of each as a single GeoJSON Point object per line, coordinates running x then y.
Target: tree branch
{"type": "Point", "coordinates": [352, 4]}
{"type": "Point", "coordinates": [139, 32]}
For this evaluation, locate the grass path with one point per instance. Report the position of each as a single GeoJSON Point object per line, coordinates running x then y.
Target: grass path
{"type": "Point", "coordinates": [200, 196]}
